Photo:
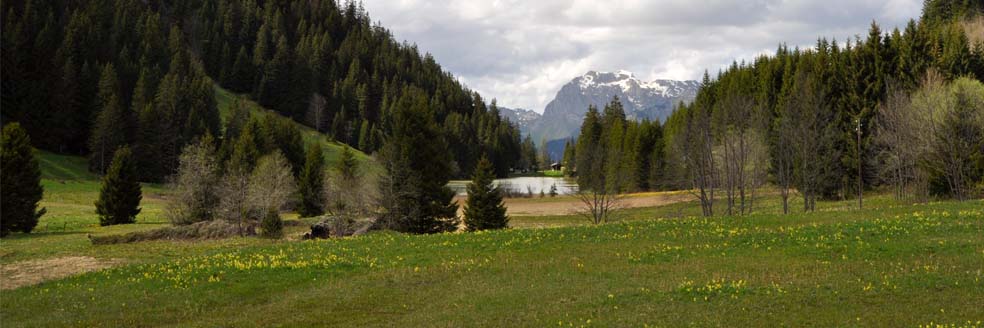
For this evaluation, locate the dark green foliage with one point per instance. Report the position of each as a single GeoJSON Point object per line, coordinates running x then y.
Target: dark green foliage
{"type": "Point", "coordinates": [346, 166]}
{"type": "Point", "coordinates": [248, 148]}
{"type": "Point", "coordinates": [272, 225]}
{"type": "Point", "coordinates": [312, 183]}
{"type": "Point", "coordinates": [416, 197]}
{"type": "Point", "coordinates": [110, 131]}
{"type": "Point", "coordinates": [484, 209]}
{"type": "Point", "coordinates": [282, 134]}
{"type": "Point", "coordinates": [590, 156]}
{"type": "Point", "coordinates": [947, 10]}
{"type": "Point", "coordinates": [167, 55]}
{"type": "Point", "coordinates": [119, 198]}
{"type": "Point", "coordinates": [20, 178]}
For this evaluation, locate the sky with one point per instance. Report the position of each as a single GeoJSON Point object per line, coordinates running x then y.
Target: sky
{"type": "Point", "coordinates": [522, 52]}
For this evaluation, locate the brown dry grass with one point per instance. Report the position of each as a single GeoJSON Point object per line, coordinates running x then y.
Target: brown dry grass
{"type": "Point", "coordinates": [974, 28]}
{"type": "Point", "coordinates": [32, 272]}
{"type": "Point", "coordinates": [565, 205]}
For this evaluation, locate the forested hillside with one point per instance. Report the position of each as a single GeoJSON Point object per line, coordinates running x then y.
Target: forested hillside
{"type": "Point", "coordinates": [903, 108]}
{"type": "Point", "coordinates": [86, 77]}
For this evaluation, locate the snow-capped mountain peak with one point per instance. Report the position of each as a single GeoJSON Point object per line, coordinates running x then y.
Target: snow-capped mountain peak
{"type": "Point", "coordinates": [653, 100]}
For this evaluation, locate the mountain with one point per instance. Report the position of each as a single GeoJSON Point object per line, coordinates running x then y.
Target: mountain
{"type": "Point", "coordinates": [654, 100]}
{"type": "Point", "coordinates": [525, 118]}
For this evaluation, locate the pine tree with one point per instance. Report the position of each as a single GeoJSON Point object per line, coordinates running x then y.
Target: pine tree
{"type": "Point", "coordinates": [119, 198]}
{"type": "Point", "coordinates": [20, 180]}
{"type": "Point", "coordinates": [109, 130]}
{"type": "Point", "coordinates": [364, 137]}
{"type": "Point", "coordinates": [416, 196]}
{"type": "Point", "coordinates": [248, 149]}
{"type": "Point", "coordinates": [312, 183]}
{"type": "Point", "coordinates": [484, 209]}
{"type": "Point", "coordinates": [347, 166]}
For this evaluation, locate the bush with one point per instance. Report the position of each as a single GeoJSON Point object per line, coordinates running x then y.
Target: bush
{"type": "Point", "coordinates": [216, 229]}
{"type": "Point", "coordinates": [271, 225]}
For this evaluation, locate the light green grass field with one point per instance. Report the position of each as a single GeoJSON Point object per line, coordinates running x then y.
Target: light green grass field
{"type": "Point", "coordinates": [891, 265]}
{"type": "Point", "coordinates": [331, 149]}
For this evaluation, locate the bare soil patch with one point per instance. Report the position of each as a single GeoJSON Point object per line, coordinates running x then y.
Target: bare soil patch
{"type": "Point", "coordinates": [26, 273]}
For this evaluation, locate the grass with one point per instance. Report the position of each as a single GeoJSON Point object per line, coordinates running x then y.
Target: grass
{"type": "Point", "coordinates": [332, 150]}
{"type": "Point", "coordinates": [887, 265]}
{"type": "Point", "coordinates": [546, 173]}
{"type": "Point", "coordinates": [891, 266]}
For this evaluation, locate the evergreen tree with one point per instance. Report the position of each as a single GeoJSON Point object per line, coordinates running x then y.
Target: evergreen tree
{"type": "Point", "coordinates": [119, 198]}
{"type": "Point", "coordinates": [365, 143]}
{"type": "Point", "coordinates": [416, 196]}
{"type": "Point", "coordinates": [20, 179]}
{"type": "Point", "coordinates": [484, 209]}
{"type": "Point", "coordinates": [347, 166]}
{"type": "Point", "coordinates": [312, 183]}
{"type": "Point", "coordinates": [109, 130]}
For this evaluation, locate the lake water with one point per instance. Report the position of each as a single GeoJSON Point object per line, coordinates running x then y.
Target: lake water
{"type": "Point", "coordinates": [522, 185]}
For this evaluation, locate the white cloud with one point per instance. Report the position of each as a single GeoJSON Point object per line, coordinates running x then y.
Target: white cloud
{"type": "Point", "coordinates": [522, 52]}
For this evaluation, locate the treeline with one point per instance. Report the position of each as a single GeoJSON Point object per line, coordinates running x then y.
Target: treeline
{"type": "Point", "coordinates": [818, 121]}
{"type": "Point", "coordinates": [615, 154]}
{"type": "Point", "coordinates": [88, 77]}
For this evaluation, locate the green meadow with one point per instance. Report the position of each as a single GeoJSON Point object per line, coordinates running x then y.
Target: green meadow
{"type": "Point", "coordinates": [891, 264]}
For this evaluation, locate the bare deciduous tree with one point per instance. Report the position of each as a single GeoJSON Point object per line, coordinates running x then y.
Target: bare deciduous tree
{"type": "Point", "coordinates": [194, 185]}
{"type": "Point", "coordinates": [897, 133]}
{"type": "Point", "coordinates": [271, 184]}
{"type": "Point", "coordinates": [316, 112]}
{"type": "Point", "coordinates": [694, 146]}
{"type": "Point", "coordinates": [600, 206]}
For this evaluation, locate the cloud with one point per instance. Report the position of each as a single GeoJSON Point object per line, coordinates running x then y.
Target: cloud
{"type": "Point", "coordinates": [522, 52]}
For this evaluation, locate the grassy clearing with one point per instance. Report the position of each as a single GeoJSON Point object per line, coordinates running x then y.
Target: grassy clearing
{"type": "Point", "coordinates": [887, 265]}
{"type": "Point", "coordinates": [332, 150]}
{"type": "Point", "coordinates": [891, 266]}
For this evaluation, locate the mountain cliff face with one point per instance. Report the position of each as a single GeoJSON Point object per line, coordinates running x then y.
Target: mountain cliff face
{"type": "Point", "coordinates": [654, 100]}
{"type": "Point", "coordinates": [524, 118]}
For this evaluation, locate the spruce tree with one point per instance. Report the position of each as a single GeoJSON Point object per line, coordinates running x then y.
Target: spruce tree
{"type": "Point", "coordinates": [347, 166]}
{"type": "Point", "coordinates": [416, 197]}
{"type": "Point", "coordinates": [484, 209]}
{"type": "Point", "coordinates": [109, 130]}
{"type": "Point", "coordinates": [119, 198]}
{"type": "Point", "coordinates": [312, 183]}
{"type": "Point", "coordinates": [20, 180]}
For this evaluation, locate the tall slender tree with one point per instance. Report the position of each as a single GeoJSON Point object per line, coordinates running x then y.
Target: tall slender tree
{"type": "Point", "coordinates": [110, 127]}
{"type": "Point", "coordinates": [312, 183]}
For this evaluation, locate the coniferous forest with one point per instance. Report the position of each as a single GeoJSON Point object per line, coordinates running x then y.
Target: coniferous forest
{"type": "Point", "coordinates": [826, 122]}
{"type": "Point", "coordinates": [88, 77]}
{"type": "Point", "coordinates": [241, 163]}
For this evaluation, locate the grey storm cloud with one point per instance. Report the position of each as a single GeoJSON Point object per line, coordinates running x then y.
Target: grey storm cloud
{"type": "Point", "coordinates": [522, 52]}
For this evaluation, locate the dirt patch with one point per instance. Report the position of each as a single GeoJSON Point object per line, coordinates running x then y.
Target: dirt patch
{"type": "Point", "coordinates": [566, 205]}
{"type": "Point", "coordinates": [26, 273]}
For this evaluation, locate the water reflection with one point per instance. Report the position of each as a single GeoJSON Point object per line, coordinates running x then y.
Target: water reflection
{"type": "Point", "coordinates": [524, 185]}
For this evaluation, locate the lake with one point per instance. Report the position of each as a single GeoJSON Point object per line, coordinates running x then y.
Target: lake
{"type": "Point", "coordinates": [522, 185]}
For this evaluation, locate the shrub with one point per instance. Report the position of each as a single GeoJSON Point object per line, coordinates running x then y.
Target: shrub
{"type": "Point", "coordinates": [271, 225]}
{"type": "Point", "coordinates": [216, 229]}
